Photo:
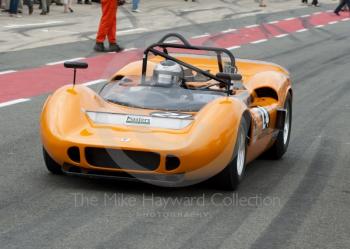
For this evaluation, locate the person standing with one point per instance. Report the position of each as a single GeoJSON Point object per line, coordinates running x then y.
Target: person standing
{"type": "Point", "coordinates": [314, 2]}
{"type": "Point", "coordinates": [67, 5]}
{"type": "Point", "coordinates": [108, 27]}
{"type": "Point", "coordinates": [86, 2]}
{"type": "Point", "coordinates": [14, 7]}
{"type": "Point", "coordinates": [341, 5]}
{"type": "Point", "coordinates": [45, 7]}
{"type": "Point", "coordinates": [262, 3]}
{"type": "Point", "coordinates": [30, 4]}
{"type": "Point", "coordinates": [135, 5]}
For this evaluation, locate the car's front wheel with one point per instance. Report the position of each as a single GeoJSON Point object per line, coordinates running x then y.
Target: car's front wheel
{"type": "Point", "coordinates": [232, 175]}
{"type": "Point", "coordinates": [51, 165]}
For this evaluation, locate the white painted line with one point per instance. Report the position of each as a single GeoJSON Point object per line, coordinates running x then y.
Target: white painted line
{"type": "Point", "coordinates": [200, 36]}
{"type": "Point", "coordinates": [319, 26]}
{"type": "Point", "coordinates": [259, 41]}
{"type": "Point", "coordinates": [128, 31]}
{"type": "Point", "coordinates": [345, 19]}
{"type": "Point", "coordinates": [301, 30]}
{"type": "Point", "coordinates": [334, 22]}
{"type": "Point", "coordinates": [228, 31]}
{"type": "Point", "coordinates": [128, 49]}
{"type": "Point", "coordinates": [273, 22]}
{"type": "Point", "coordinates": [13, 102]}
{"type": "Point", "coordinates": [7, 72]}
{"type": "Point", "coordinates": [58, 31]}
{"type": "Point", "coordinates": [252, 26]}
{"type": "Point", "coordinates": [290, 18]}
{"type": "Point", "coordinates": [282, 35]}
{"type": "Point", "coordinates": [94, 82]}
{"type": "Point", "coordinates": [125, 50]}
{"type": "Point", "coordinates": [33, 24]}
{"type": "Point", "coordinates": [233, 48]}
{"type": "Point", "coordinates": [305, 16]}
{"type": "Point", "coordinates": [317, 13]}
{"type": "Point", "coordinates": [61, 62]}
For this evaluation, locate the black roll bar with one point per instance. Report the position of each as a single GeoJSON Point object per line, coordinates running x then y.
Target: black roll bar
{"type": "Point", "coordinates": [186, 45]}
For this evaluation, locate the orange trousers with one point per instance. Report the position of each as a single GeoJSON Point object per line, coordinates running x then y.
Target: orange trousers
{"type": "Point", "coordinates": [108, 22]}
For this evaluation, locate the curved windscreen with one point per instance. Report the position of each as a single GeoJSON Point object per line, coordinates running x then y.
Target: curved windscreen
{"type": "Point", "coordinates": [146, 96]}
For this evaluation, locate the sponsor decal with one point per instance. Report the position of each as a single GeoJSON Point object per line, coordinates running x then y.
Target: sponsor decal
{"type": "Point", "coordinates": [264, 115]}
{"type": "Point", "coordinates": [132, 120]}
{"type": "Point", "coordinates": [138, 120]}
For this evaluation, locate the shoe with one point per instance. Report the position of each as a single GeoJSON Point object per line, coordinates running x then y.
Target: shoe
{"type": "Point", "coordinates": [71, 10]}
{"type": "Point", "coordinates": [114, 47]}
{"type": "Point", "coordinates": [43, 13]}
{"type": "Point", "coordinates": [99, 47]}
{"type": "Point", "coordinates": [337, 13]}
{"type": "Point", "coordinates": [136, 10]}
{"type": "Point", "coordinates": [59, 4]}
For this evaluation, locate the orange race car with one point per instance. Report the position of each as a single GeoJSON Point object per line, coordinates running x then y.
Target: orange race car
{"type": "Point", "coordinates": [172, 119]}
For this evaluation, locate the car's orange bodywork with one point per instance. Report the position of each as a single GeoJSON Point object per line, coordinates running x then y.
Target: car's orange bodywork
{"type": "Point", "coordinates": [204, 147]}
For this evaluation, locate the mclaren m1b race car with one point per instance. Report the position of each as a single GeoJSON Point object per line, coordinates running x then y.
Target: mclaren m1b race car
{"type": "Point", "coordinates": [181, 115]}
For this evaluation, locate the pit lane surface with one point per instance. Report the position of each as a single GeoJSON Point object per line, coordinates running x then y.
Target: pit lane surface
{"type": "Point", "coordinates": [301, 201]}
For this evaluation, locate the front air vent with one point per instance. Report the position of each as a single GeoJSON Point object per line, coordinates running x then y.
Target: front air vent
{"type": "Point", "coordinates": [122, 159]}
{"type": "Point", "coordinates": [74, 154]}
{"type": "Point", "coordinates": [171, 163]}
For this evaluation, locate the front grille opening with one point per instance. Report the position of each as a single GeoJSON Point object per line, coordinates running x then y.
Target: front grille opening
{"type": "Point", "coordinates": [122, 159]}
{"type": "Point", "coordinates": [74, 154]}
{"type": "Point", "coordinates": [172, 162]}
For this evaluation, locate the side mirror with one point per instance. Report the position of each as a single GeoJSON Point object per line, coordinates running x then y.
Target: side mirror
{"type": "Point", "coordinates": [229, 76]}
{"type": "Point", "coordinates": [75, 65]}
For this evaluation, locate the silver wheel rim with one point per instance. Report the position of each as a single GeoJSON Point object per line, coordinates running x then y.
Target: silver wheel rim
{"type": "Point", "coordinates": [286, 128]}
{"type": "Point", "coordinates": [241, 155]}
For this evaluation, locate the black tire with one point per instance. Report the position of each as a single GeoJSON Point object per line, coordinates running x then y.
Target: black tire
{"type": "Point", "coordinates": [51, 165]}
{"type": "Point", "coordinates": [231, 176]}
{"type": "Point", "coordinates": [280, 146]}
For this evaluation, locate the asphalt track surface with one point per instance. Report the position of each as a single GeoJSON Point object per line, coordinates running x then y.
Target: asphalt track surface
{"type": "Point", "coordinates": [301, 201]}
